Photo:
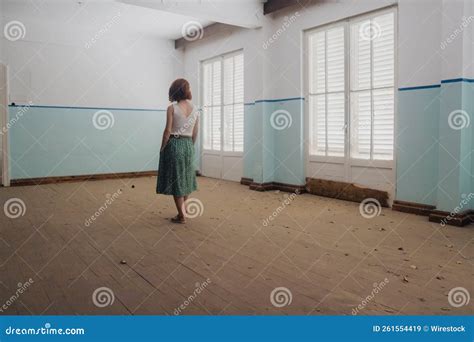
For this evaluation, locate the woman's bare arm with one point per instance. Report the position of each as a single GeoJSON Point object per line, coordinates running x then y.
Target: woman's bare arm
{"type": "Point", "coordinates": [196, 130]}
{"type": "Point", "coordinates": [169, 125]}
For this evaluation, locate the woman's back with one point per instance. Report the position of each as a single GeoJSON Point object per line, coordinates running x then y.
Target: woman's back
{"type": "Point", "coordinates": [184, 119]}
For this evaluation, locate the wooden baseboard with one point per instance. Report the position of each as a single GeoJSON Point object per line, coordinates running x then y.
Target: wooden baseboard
{"type": "Point", "coordinates": [438, 216]}
{"type": "Point", "coordinates": [81, 178]}
{"type": "Point", "coordinates": [246, 181]}
{"type": "Point", "coordinates": [345, 191]}
{"type": "Point", "coordinates": [273, 186]}
{"type": "Point", "coordinates": [413, 208]}
{"type": "Point", "coordinates": [446, 218]}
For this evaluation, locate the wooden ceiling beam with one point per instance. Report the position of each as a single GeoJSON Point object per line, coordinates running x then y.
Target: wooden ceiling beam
{"type": "Point", "coordinates": [275, 5]}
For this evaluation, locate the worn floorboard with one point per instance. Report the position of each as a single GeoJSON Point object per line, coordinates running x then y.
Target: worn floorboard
{"type": "Point", "coordinates": [227, 260]}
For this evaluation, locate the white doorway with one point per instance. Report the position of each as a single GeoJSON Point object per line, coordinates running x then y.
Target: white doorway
{"type": "Point", "coordinates": [222, 100]}
{"type": "Point", "coordinates": [350, 88]}
{"type": "Point", "coordinates": [4, 171]}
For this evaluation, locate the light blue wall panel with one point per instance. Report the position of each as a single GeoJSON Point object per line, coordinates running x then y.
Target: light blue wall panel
{"type": "Point", "coordinates": [268, 143]}
{"type": "Point", "coordinates": [50, 142]}
{"type": "Point", "coordinates": [417, 147]}
{"type": "Point", "coordinates": [288, 142]}
{"type": "Point", "coordinates": [470, 110]}
{"type": "Point", "coordinates": [467, 144]}
{"type": "Point", "coordinates": [253, 167]}
{"type": "Point", "coordinates": [455, 147]}
{"type": "Point", "coordinates": [273, 149]}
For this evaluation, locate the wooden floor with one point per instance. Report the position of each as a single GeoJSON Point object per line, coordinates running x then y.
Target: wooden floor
{"type": "Point", "coordinates": [321, 250]}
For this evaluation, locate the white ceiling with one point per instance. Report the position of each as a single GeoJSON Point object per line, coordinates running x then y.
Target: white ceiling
{"type": "Point", "coordinates": [84, 17]}
{"type": "Point", "coordinates": [157, 18]}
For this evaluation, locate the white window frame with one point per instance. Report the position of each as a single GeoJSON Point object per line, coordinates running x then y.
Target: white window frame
{"type": "Point", "coordinates": [347, 159]}
{"type": "Point", "coordinates": [220, 58]}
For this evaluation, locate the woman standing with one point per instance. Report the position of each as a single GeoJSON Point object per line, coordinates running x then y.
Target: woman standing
{"type": "Point", "coordinates": [176, 173]}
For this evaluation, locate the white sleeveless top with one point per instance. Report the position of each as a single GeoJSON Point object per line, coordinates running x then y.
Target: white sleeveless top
{"type": "Point", "coordinates": [182, 124]}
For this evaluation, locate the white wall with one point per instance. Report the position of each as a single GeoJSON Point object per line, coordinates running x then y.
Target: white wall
{"type": "Point", "coordinates": [128, 74]}
{"type": "Point", "coordinates": [419, 32]}
{"type": "Point", "coordinates": [73, 63]}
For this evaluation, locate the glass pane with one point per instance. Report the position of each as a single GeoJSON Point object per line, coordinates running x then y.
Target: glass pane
{"type": "Point", "coordinates": [361, 121]}
{"type": "Point", "coordinates": [317, 60]}
{"type": "Point", "coordinates": [383, 124]}
{"type": "Point", "coordinates": [206, 128]}
{"type": "Point", "coordinates": [216, 83]}
{"type": "Point", "coordinates": [216, 128]}
{"type": "Point", "coordinates": [207, 84]}
{"type": "Point", "coordinates": [383, 49]}
{"type": "Point", "coordinates": [228, 80]}
{"type": "Point", "coordinates": [360, 55]}
{"type": "Point", "coordinates": [228, 127]}
{"type": "Point", "coordinates": [335, 124]}
{"type": "Point", "coordinates": [239, 127]}
{"type": "Point", "coordinates": [317, 121]}
{"type": "Point", "coordinates": [239, 78]}
{"type": "Point", "coordinates": [335, 59]}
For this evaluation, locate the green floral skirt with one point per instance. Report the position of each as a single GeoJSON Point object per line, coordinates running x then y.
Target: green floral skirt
{"type": "Point", "coordinates": [176, 174]}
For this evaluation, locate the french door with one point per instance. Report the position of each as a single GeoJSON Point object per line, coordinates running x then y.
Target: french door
{"type": "Point", "coordinates": [350, 94]}
{"type": "Point", "coordinates": [222, 99]}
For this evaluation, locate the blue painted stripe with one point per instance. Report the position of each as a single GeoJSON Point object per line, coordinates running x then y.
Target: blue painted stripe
{"type": "Point", "coordinates": [93, 108]}
{"type": "Point", "coordinates": [146, 109]}
{"type": "Point", "coordinates": [452, 80]}
{"type": "Point", "coordinates": [281, 100]}
{"type": "Point", "coordinates": [420, 87]}
{"type": "Point", "coordinates": [273, 100]}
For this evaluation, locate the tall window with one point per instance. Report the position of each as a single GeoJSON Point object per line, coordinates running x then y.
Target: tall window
{"type": "Point", "coordinates": [326, 93]}
{"type": "Point", "coordinates": [351, 88]}
{"type": "Point", "coordinates": [223, 103]}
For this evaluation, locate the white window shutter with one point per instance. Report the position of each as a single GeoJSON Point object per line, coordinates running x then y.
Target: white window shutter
{"type": "Point", "coordinates": [383, 84]}
{"type": "Point", "coordinates": [372, 105]}
{"type": "Point", "coordinates": [223, 102]}
{"type": "Point", "coordinates": [326, 92]}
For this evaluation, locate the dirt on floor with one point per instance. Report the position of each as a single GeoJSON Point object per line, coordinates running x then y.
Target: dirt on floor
{"type": "Point", "coordinates": [108, 247]}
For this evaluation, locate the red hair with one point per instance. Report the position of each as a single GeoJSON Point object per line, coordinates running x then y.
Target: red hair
{"type": "Point", "coordinates": [180, 90]}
